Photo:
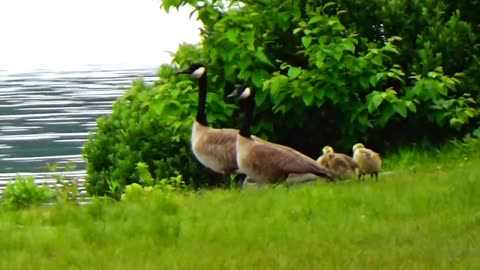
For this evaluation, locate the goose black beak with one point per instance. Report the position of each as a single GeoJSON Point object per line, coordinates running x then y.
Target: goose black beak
{"type": "Point", "coordinates": [234, 93]}
{"type": "Point", "coordinates": [186, 71]}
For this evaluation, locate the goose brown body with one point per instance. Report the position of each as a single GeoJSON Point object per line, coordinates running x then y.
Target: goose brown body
{"type": "Point", "coordinates": [215, 148]}
{"type": "Point", "coordinates": [369, 161]}
{"type": "Point", "coordinates": [267, 162]}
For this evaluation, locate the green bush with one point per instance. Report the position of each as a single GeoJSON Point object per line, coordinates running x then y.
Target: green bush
{"type": "Point", "coordinates": [149, 185]}
{"type": "Point", "coordinates": [333, 63]}
{"type": "Point", "coordinates": [326, 72]}
{"type": "Point", "coordinates": [23, 192]}
{"type": "Point", "coordinates": [436, 35]}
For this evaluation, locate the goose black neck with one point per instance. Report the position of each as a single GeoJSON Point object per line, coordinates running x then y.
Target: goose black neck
{"type": "Point", "coordinates": [248, 118]}
{"type": "Point", "coordinates": [202, 98]}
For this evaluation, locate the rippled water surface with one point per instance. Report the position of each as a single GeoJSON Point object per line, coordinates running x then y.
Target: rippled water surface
{"type": "Point", "coordinates": [45, 115]}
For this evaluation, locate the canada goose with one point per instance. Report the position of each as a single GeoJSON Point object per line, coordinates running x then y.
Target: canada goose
{"type": "Point", "coordinates": [369, 162]}
{"type": "Point", "coordinates": [263, 161]}
{"type": "Point", "coordinates": [214, 148]}
{"type": "Point", "coordinates": [340, 165]}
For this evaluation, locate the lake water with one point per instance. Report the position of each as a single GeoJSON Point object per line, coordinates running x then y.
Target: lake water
{"type": "Point", "coordinates": [45, 116]}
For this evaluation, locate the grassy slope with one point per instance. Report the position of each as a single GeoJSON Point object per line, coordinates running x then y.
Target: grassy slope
{"type": "Point", "coordinates": [427, 220]}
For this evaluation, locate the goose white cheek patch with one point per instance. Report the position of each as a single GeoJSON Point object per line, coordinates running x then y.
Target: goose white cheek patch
{"type": "Point", "coordinates": [198, 72]}
{"type": "Point", "coordinates": [245, 93]}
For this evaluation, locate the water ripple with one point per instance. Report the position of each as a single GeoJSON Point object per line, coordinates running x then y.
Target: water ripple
{"type": "Point", "coordinates": [45, 116]}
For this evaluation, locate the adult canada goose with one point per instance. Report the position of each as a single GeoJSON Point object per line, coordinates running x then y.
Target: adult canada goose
{"type": "Point", "coordinates": [340, 165]}
{"type": "Point", "coordinates": [214, 148]}
{"type": "Point", "coordinates": [369, 162]}
{"type": "Point", "coordinates": [266, 162]}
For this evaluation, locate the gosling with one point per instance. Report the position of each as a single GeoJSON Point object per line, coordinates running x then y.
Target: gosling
{"type": "Point", "coordinates": [341, 166]}
{"type": "Point", "coordinates": [369, 162]}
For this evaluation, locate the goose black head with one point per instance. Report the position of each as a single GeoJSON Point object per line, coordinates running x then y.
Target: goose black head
{"type": "Point", "coordinates": [196, 70]}
{"type": "Point", "coordinates": [242, 91]}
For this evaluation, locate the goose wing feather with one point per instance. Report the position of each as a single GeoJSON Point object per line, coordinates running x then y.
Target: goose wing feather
{"type": "Point", "coordinates": [284, 159]}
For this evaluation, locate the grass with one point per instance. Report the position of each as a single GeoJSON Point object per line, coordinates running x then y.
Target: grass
{"type": "Point", "coordinates": [424, 220]}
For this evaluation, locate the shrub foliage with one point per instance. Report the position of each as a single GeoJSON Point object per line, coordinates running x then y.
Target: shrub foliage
{"type": "Point", "coordinates": [328, 72]}
{"type": "Point", "coordinates": [23, 192]}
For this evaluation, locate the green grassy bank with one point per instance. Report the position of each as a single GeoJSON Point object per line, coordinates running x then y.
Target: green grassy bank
{"type": "Point", "coordinates": [424, 220]}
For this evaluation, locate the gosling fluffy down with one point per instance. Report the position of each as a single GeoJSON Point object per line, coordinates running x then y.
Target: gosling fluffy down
{"type": "Point", "coordinates": [369, 162]}
{"type": "Point", "coordinates": [339, 165]}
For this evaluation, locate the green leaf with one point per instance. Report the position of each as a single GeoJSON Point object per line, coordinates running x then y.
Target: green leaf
{"type": "Point", "coordinates": [411, 106]}
{"type": "Point", "coordinates": [331, 21]}
{"type": "Point", "coordinates": [315, 19]}
{"type": "Point", "coordinates": [455, 122]}
{"type": "Point", "coordinates": [446, 103]}
{"type": "Point", "coordinates": [432, 74]}
{"type": "Point", "coordinates": [476, 133]}
{"type": "Point", "coordinates": [374, 100]}
{"type": "Point", "coordinates": [363, 120]}
{"type": "Point", "coordinates": [448, 82]}
{"type": "Point", "coordinates": [232, 34]}
{"type": "Point", "coordinates": [244, 72]}
{"type": "Point", "coordinates": [328, 4]}
{"type": "Point", "coordinates": [373, 80]}
{"type": "Point", "coordinates": [390, 48]}
{"type": "Point", "coordinates": [260, 55]}
{"type": "Point", "coordinates": [322, 39]}
{"type": "Point", "coordinates": [442, 90]}
{"type": "Point", "coordinates": [338, 27]}
{"type": "Point", "coordinates": [331, 94]}
{"type": "Point", "coordinates": [319, 56]}
{"type": "Point", "coordinates": [257, 77]}
{"type": "Point", "coordinates": [280, 108]}
{"type": "Point", "coordinates": [337, 55]}
{"type": "Point", "coordinates": [401, 109]}
{"type": "Point", "coordinates": [364, 82]}
{"type": "Point", "coordinates": [276, 84]}
{"type": "Point", "coordinates": [158, 107]}
{"type": "Point", "coordinates": [319, 94]}
{"type": "Point", "coordinates": [377, 60]}
{"type": "Point", "coordinates": [397, 71]}
{"type": "Point", "coordinates": [370, 107]}
{"type": "Point", "coordinates": [260, 97]}
{"type": "Point", "coordinates": [307, 99]}
{"type": "Point", "coordinates": [349, 45]}
{"type": "Point", "coordinates": [394, 38]}
{"type": "Point", "coordinates": [306, 41]}
{"type": "Point", "coordinates": [387, 113]}
{"type": "Point", "coordinates": [348, 62]}
{"type": "Point", "coordinates": [293, 72]}
{"type": "Point", "coordinates": [377, 100]}
{"type": "Point", "coordinates": [380, 75]}
{"type": "Point", "coordinates": [279, 97]}
{"type": "Point", "coordinates": [469, 112]}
